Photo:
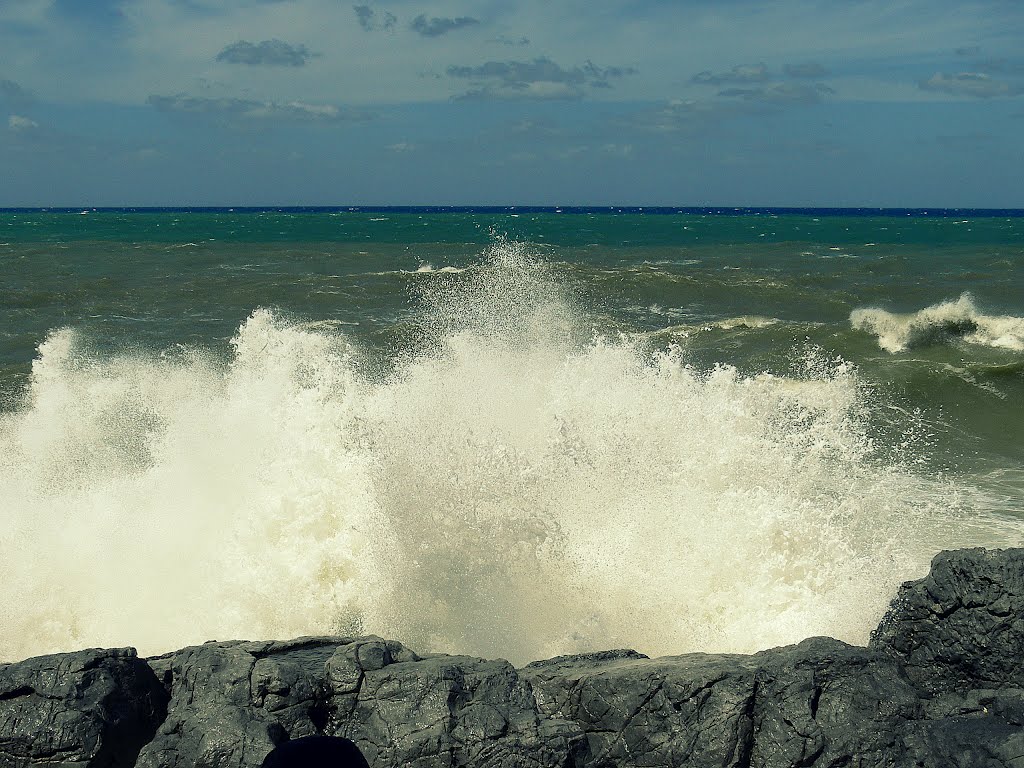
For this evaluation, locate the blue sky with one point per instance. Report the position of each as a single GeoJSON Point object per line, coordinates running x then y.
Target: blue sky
{"type": "Point", "coordinates": [693, 102]}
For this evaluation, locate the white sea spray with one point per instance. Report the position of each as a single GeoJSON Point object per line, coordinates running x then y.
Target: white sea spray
{"type": "Point", "coordinates": [513, 488]}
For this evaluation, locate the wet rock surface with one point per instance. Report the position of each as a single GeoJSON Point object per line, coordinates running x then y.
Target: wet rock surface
{"type": "Point", "coordinates": [89, 708]}
{"type": "Point", "coordinates": [941, 684]}
{"type": "Point", "coordinates": [962, 626]}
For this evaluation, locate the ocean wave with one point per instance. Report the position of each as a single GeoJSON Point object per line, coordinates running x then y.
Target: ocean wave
{"type": "Point", "coordinates": [428, 267]}
{"type": "Point", "coordinates": [996, 372]}
{"type": "Point", "coordinates": [424, 268]}
{"type": "Point", "coordinates": [742, 322]}
{"type": "Point", "coordinates": [941, 323]}
{"type": "Point", "coordinates": [508, 490]}
{"type": "Point", "coordinates": [746, 321]}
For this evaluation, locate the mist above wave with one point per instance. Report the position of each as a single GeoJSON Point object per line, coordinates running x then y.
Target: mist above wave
{"type": "Point", "coordinates": [514, 487]}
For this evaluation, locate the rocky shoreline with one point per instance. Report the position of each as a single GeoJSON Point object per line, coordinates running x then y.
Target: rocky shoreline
{"type": "Point", "coordinates": [940, 684]}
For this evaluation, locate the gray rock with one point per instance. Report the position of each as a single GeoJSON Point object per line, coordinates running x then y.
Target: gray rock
{"type": "Point", "coordinates": [231, 703]}
{"type": "Point", "coordinates": [962, 626]}
{"type": "Point", "coordinates": [958, 636]}
{"type": "Point", "coordinates": [819, 702]}
{"type": "Point", "coordinates": [449, 711]}
{"type": "Point", "coordinates": [89, 708]}
{"type": "Point", "coordinates": [941, 684]}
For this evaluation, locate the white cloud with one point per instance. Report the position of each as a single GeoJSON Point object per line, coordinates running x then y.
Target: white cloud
{"type": "Point", "coordinates": [540, 79]}
{"type": "Point", "coordinates": [250, 109]}
{"type": "Point", "coordinates": [20, 124]}
{"type": "Point", "coordinates": [623, 150]}
{"type": "Point", "coordinates": [781, 93]}
{"type": "Point", "coordinates": [975, 84]}
{"type": "Point", "coordinates": [688, 115]}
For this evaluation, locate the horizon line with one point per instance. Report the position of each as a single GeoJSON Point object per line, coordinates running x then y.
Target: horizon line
{"type": "Point", "coordinates": [566, 209]}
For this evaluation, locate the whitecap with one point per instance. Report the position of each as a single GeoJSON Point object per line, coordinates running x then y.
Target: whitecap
{"type": "Point", "coordinates": [938, 324]}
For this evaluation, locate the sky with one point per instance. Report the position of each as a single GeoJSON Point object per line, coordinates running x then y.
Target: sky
{"type": "Point", "coordinates": [520, 102]}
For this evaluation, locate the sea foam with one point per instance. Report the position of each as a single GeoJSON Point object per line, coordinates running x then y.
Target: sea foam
{"type": "Point", "coordinates": [512, 486]}
{"type": "Point", "coordinates": [938, 324]}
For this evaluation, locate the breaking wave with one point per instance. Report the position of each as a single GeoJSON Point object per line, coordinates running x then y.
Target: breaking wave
{"type": "Point", "coordinates": [940, 324]}
{"type": "Point", "coordinates": [511, 487]}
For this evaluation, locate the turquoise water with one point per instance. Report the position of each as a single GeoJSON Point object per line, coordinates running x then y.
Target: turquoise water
{"type": "Point", "coordinates": [829, 398]}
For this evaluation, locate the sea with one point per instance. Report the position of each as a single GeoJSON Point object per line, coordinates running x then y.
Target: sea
{"type": "Point", "coordinates": [506, 432]}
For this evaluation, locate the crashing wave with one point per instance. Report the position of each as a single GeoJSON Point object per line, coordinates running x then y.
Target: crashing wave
{"type": "Point", "coordinates": [513, 487]}
{"type": "Point", "coordinates": [940, 324]}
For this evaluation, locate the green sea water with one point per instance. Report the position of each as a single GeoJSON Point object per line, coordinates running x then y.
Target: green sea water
{"type": "Point", "coordinates": [881, 356]}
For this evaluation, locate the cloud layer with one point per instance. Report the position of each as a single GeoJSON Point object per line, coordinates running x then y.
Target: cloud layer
{"type": "Point", "coordinates": [372, 20]}
{"type": "Point", "coordinates": [540, 78]}
{"type": "Point", "coordinates": [445, 82]}
{"type": "Point", "coordinates": [435, 26]}
{"type": "Point", "coordinates": [250, 109]}
{"type": "Point", "coordinates": [974, 84]}
{"type": "Point", "coordinates": [268, 53]}
{"type": "Point", "coordinates": [808, 69]}
{"type": "Point", "coordinates": [781, 93]}
{"type": "Point", "coordinates": [741, 74]}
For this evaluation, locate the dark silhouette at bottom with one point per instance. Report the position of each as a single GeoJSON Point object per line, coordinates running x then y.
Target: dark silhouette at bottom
{"type": "Point", "coordinates": [316, 752]}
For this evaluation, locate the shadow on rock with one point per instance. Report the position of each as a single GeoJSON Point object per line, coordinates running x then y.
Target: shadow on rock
{"type": "Point", "coordinates": [316, 752]}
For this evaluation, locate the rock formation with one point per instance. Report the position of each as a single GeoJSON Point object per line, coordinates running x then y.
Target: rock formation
{"type": "Point", "coordinates": [940, 684]}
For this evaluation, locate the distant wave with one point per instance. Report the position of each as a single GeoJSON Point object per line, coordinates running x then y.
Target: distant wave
{"type": "Point", "coordinates": [428, 267]}
{"type": "Point", "coordinates": [940, 324]}
{"type": "Point", "coordinates": [425, 268]}
{"type": "Point", "coordinates": [746, 321]}
{"type": "Point", "coordinates": [684, 330]}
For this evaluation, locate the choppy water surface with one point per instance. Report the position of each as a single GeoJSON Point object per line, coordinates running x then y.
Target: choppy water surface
{"type": "Point", "coordinates": [496, 433]}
